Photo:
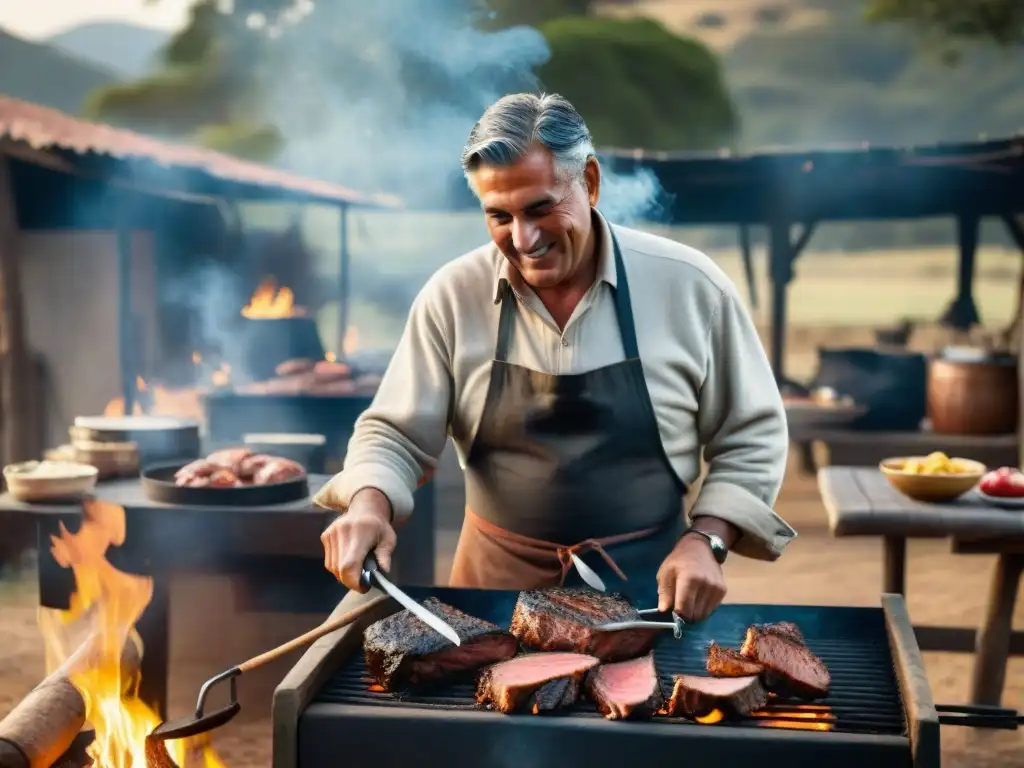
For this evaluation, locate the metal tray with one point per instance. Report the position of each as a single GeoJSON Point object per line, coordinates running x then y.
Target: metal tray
{"type": "Point", "coordinates": [158, 485]}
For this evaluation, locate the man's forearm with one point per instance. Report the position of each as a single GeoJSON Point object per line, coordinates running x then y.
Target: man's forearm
{"type": "Point", "coordinates": [728, 532]}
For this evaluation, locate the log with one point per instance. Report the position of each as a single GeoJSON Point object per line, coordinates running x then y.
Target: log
{"type": "Point", "coordinates": [43, 727]}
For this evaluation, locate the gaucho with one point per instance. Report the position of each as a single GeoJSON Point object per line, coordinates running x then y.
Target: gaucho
{"type": "Point", "coordinates": [583, 369]}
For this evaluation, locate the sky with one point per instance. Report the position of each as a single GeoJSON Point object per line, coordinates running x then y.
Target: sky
{"type": "Point", "coordinates": [39, 19]}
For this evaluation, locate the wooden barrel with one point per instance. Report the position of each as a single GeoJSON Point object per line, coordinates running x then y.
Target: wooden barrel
{"type": "Point", "coordinates": [973, 397]}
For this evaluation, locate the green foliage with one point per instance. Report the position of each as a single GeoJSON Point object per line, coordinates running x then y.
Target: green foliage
{"type": "Point", "coordinates": [252, 141]}
{"type": "Point", "coordinates": [850, 81]}
{"type": "Point", "coordinates": [533, 13]}
{"type": "Point", "coordinates": [638, 85]}
{"type": "Point", "coordinates": [998, 21]}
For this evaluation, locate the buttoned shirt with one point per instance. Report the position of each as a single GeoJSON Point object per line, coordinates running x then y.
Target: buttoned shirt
{"type": "Point", "coordinates": [710, 382]}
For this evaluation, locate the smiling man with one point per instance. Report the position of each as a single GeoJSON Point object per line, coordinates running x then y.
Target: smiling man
{"type": "Point", "coordinates": [581, 368]}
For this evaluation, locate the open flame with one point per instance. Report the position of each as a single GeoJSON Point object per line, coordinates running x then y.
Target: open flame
{"type": "Point", "coordinates": [796, 717]}
{"type": "Point", "coordinates": [109, 602]}
{"type": "Point", "coordinates": [183, 403]}
{"type": "Point", "coordinates": [270, 301]}
{"type": "Point", "coordinates": [712, 717]}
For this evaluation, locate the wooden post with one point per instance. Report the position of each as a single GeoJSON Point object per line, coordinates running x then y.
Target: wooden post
{"type": "Point", "coordinates": [780, 266]}
{"type": "Point", "coordinates": [962, 313]}
{"type": "Point", "coordinates": [747, 254]}
{"type": "Point", "coordinates": [344, 279]}
{"type": "Point", "coordinates": [14, 359]}
{"type": "Point", "coordinates": [125, 327]}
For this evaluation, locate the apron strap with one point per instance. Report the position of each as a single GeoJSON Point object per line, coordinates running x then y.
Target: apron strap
{"type": "Point", "coordinates": [562, 553]}
{"type": "Point", "coordinates": [623, 305]}
{"type": "Point", "coordinates": [623, 311]}
{"type": "Point", "coordinates": [505, 324]}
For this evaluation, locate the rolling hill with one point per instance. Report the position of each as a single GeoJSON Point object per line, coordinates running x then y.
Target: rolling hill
{"type": "Point", "coordinates": [45, 75]}
{"type": "Point", "coordinates": [126, 49]}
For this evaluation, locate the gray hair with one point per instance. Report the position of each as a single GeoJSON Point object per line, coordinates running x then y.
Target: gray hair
{"type": "Point", "coordinates": [513, 124]}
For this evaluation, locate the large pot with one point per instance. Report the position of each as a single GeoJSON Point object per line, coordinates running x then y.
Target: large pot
{"type": "Point", "coordinates": [158, 438]}
{"type": "Point", "coordinates": [268, 342]}
{"type": "Point", "coordinates": [973, 395]}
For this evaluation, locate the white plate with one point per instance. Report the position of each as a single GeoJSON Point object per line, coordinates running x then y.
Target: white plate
{"type": "Point", "coordinates": [1003, 502]}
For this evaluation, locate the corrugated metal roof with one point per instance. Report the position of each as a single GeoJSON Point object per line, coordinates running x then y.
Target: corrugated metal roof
{"type": "Point", "coordinates": [44, 128]}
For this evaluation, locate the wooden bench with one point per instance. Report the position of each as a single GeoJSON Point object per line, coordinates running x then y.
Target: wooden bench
{"type": "Point", "coordinates": [860, 502]}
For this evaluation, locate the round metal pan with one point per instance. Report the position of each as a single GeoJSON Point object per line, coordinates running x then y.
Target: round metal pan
{"type": "Point", "coordinates": [159, 438]}
{"type": "Point", "coordinates": [158, 485]}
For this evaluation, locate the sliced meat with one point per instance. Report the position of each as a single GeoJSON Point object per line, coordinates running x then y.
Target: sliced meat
{"type": "Point", "coordinates": [534, 682]}
{"type": "Point", "coordinates": [278, 471]}
{"type": "Point", "coordinates": [696, 696]}
{"type": "Point", "coordinates": [727, 662]}
{"type": "Point", "coordinates": [565, 619]}
{"type": "Point", "coordinates": [294, 366]}
{"type": "Point", "coordinates": [230, 459]}
{"type": "Point", "coordinates": [402, 651]}
{"type": "Point", "coordinates": [793, 667]}
{"type": "Point", "coordinates": [626, 690]}
{"type": "Point", "coordinates": [326, 371]}
{"type": "Point", "coordinates": [222, 478]}
{"type": "Point", "coordinates": [193, 470]}
{"type": "Point", "coordinates": [250, 465]}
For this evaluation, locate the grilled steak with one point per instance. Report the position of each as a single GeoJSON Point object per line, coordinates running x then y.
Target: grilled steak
{"type": "Point", "coordinates": [784, 629]}
{"type": "Point", "coordinates": [793, 667]}
{"type": "Point", "coordinates": [695, 696]}
{"type": "Point", "coordinates": [726, 662]}
{"type": "Point", "coordinates": [401, 650]}
{"type": "Point", "coordinates": [534, 682]}
{"type": "Point", "coordinates": [626, 690]}
{"type": "Point", "coordinates": [564, 619]}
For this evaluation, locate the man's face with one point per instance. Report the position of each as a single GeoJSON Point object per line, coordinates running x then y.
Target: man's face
{"type": "Point", "coordinates": [541, 223]}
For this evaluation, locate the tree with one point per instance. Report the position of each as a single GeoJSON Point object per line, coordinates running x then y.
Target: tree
{"type": "Point", "coordinates": [999, 21]}
{"type": "Point", "coordinates": [381, 94]}
{"type": "Point", "coordinates": [638, 85]}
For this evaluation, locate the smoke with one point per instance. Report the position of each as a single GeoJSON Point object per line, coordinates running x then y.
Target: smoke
{"type": "Point", "coordinates": [382, 96]}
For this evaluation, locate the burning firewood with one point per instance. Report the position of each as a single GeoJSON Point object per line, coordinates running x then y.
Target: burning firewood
{"type": "Point", "coordinates": [42, 728]}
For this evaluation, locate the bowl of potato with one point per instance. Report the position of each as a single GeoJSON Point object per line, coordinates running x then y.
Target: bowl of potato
{"type": "Point", "coordinates": [935, 477]}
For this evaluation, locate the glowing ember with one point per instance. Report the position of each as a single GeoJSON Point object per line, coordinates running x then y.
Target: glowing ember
{"type": "Point", "coordinates": [183, 403]}
{"type": "Point", "coordinates": [222, 376]}
{"type": "Point", "coordinates": [110, 602]}
{"type": "Point", "coordinates": [712, 717]}
{"type": "Point", "coordinates": [269, 301]}
{"type": "Point", "coordinates": [330, 357]}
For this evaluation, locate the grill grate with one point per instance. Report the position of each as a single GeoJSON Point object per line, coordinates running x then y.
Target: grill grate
{"type": "Point", "coordinates": [864, 697]}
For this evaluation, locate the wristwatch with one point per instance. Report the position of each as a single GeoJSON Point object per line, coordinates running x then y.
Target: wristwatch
{"type": "Point", "coordinates": [718, 548]}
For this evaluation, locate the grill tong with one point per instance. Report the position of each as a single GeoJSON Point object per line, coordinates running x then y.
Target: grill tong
{"type": "Point", "coordinates": [676, 625]}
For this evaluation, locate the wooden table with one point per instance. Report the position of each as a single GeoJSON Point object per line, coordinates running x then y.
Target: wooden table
{"type": "Point", "coordinates": [861, 502]}
{"type": "Point", "coordinates": [858, 448]}
{"type": "Point", "coordinates": [275, 545]}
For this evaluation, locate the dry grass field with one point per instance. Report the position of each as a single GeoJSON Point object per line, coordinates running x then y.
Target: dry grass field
{"type": "Point", "coordinates": [836, 300]}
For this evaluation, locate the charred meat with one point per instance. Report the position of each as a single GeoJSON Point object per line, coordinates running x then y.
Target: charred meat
{"type": "Point", "coordinates": [626, 690]}
{"type": "Point", "coordinates": [695, 696]}
{"type": "Point", "coordinates": [792, 668]}
{"type": "Point", "coordinates": [566, 619]}
{"type": "Point", "coordinates": [534, 682]}
{"type": "Point", "coordinates": [727, 662]}
{"type": "Point", "coordinates": [403, 651]}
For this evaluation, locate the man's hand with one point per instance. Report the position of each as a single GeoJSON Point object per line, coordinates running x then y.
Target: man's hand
{"type": "Point", "coordinates": [690, 580]}
{"type": "Point", "coordinates": [364, 527]}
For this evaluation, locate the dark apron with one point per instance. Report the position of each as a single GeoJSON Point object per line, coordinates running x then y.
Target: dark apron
{"type": "Point", "coordinates": [566, 465]}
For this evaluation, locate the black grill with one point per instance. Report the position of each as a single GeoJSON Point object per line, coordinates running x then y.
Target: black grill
{"type": "Point", "coordinates": [861, 722]}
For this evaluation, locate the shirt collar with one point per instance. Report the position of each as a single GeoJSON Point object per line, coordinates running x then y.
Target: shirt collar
{"type": "Point", "coordinates": [506, 274]}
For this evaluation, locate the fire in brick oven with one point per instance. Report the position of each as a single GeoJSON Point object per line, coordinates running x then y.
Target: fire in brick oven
{"type": "Point", "coordinates": [88, 643]}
